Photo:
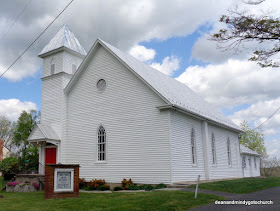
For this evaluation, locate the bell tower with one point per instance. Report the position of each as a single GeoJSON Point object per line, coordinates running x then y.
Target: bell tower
{"type": "Point", "coordinates": [61, 58]}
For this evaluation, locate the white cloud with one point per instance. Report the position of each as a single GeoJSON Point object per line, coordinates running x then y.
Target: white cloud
{"type": "Point", "coordinates": [12, 108]}
{"type": "Point", "coordinates": [122, 23]}
{"type": "Point", "coordinates": [142, 53]}
{"type": "Point", "coordinates": [258, 112]}
{"type": "Point", "coordinates": [168, 66]}
{"type": "Point", "coordinates": [233, 82]}
{"type": "Point", "coordinates": [273, 147]}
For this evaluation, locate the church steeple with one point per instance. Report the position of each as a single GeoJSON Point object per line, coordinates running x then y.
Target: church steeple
{"type": "Point", "coordinates": [64, 38]}
{"type": "Point", "coordinates": [63, 53]}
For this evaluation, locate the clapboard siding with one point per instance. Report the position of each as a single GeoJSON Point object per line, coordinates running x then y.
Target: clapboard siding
{"type": "Point", "coordinates": [68, 60]}
{"type": "Point", "coordinates": [58, 61]}
{"type": "Point", "coordinates": [181, 155]}
{"type": "Point", "coordinates": [222, 169]}
{"type": "Point", "coordinates": [251, 171]}
{"type": "Point", "coordinates": [52, 96]}
{"type": "Point", "coordinates": [37, 134]}
{"type": "Point", "coordinates": [137, 132]}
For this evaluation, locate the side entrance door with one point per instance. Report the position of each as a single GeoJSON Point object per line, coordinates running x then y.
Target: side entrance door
{"type": "Point", "coordinates": [50, 156]}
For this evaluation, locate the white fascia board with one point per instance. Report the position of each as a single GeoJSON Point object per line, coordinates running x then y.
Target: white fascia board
{"type": "Point", "coordinates": [183, 110]}
{"type": "Point", "coordinates": [62, 48]}
{"type": "Point", "coordinates": [81, 68]}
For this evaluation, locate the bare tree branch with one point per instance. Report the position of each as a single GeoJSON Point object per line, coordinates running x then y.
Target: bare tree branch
{"type": "Point", "coordinates": [244, 27]}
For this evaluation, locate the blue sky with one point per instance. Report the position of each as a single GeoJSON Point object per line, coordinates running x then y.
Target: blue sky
{"type": "Point", "coordinates": [171, 36]}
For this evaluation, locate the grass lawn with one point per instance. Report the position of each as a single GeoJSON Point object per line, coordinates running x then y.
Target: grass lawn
{"type": "Point", "coordinates": [244, 185]}
{"type": "Point", "coordinates": [158, 200]}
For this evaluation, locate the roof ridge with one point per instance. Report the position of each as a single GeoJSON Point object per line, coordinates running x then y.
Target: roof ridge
{"type": "Point", "coordinates": [226, 120]}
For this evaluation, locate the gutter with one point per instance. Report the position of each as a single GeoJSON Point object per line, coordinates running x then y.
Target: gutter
{"type": "Point", "coordinates": [191, 113]}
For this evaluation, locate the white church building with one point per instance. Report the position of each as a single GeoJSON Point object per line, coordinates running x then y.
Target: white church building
{"type": "Point", "coordinates": [120, 118]}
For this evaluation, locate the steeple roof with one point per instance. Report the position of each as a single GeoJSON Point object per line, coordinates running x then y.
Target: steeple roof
{"type": "Point", "coordinates": [64, 38]}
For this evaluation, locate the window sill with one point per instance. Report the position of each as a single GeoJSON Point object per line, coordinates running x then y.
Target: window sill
{"type": "Point", "coordinates": [100, 162]}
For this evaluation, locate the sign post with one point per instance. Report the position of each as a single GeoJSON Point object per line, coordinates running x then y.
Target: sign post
{"type": "Point", "coordinates": [61, 181]}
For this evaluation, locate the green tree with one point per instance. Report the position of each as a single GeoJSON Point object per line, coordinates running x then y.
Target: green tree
{"type": "Point", "coordinates": [243, 26]}
{"type": "Point", "coordinates": [28, 153]}
{"type": "Point", "coordinates": [253, 139]}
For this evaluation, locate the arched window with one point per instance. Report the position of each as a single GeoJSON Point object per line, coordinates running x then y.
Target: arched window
{"type": "Point", "coordinates": [213, 149]}
{"type": "Point", "coordinates": [101, 144]}
{"type": "Point", "coordinates": [193, 147]}
{"type": "Point", "coordinates": [228, 152]}
{"type": "Point", "coordinates": [52, 66]}
{"type": "Point", "coordinates": [255, 163]}
{"type": "Point", "coordinates": [243, 162]}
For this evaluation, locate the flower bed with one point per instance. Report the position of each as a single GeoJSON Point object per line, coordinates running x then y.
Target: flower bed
{"type": "Point", "coordinates": [21, 187]}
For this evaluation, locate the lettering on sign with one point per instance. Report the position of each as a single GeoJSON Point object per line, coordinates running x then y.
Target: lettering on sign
{"type": "Point", "coordinates": [63, 180]}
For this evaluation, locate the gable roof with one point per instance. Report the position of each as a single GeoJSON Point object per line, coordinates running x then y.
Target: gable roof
{"type": "Point", "coordinates": [246, 150]}
{"type": "Point", "coordinates": [43, 132]}
{"type": "Point", "coordinates": [64, 38]}
{"type": "Point", "coordinates": [175, 93]}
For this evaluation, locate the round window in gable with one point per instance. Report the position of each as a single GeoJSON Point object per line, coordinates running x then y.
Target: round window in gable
{"type": "Point", "coordinates": [101, 85]}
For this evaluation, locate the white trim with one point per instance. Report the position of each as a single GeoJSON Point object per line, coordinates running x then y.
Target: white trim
{"type": "Point", "coordinates": [213, 153]}
{"type": "Point", "coordinates": [98, 43]}
{"type": "Point", "coordinates": [194, 157]}
{"type": "Point", "coordinates": [170, 147]}
{"type": "Point", "coordinates": [55, 180]}
{"type": "Point", "coordinates": [106, 84]}
{"type": "Point", "coordinates": [191, 113]}
{"type": "Point", "coordinates": [229, 156]}
{"type": "Point", "coordinates": [205, 144]}
{"type": "Point", "coordinates": [105, 151]}
{"type": "Point", "coordinates": [57, 152]}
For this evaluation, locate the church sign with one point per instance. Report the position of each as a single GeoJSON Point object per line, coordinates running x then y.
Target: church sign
{"type": "Point", "coordinates": [63, 180]}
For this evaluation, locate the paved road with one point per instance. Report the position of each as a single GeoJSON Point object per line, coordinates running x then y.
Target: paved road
{"type": "Point", "coordinates": [264, 195]}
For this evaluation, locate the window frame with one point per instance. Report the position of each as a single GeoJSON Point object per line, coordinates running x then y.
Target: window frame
{"type": "Point", "coordinates": [74, 68]}
{"type": "Point", "coordinates": [104, 143]}
{"type": "Point", "coordinates": [52, 69]}
{"type": "Point", "coordinates": [244, 162]}
{"type": "Point", "coordinates": [249, 159]}
{"type": "Point", "coordinates": [105, 86]}
{"type": "Point", "coordinates": [213, 149]}
{"type": "Point", "coordinates": [52, 66]}
{"type": "Point", "coordinates": [255, 162]}
{"type": "Point", "coordinates": [193, 147]}
{"type": "Point", "coordinates": [229, 152]}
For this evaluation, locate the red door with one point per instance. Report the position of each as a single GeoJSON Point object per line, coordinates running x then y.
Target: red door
{"type": "Point", "coordinates": [50, 156]}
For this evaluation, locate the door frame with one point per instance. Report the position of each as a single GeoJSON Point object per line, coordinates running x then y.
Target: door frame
{"type": "Point", "coordinates": [50, 147]}
{"type": "Point", "coordinates": [44, 150]}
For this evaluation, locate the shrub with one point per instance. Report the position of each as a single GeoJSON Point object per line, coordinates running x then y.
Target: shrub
{"type": "Point", "coordinates": [94, 184]}
{"type": "Point", "coordinates": [126, 183]}
{"type": "Point", "coordinates": [133, 187]}
{"type": "Point", "coordinates": [9, 166]}
{"type": "Point", "coordinates": [103, 187]}
{"type": "Point", "coordinates": [117, 188]}
{"type": "Point", "coordinates": [146, 187]}
{"type": "Point", "coordinates": [82, 183]}
{"type": "Point", "coordinates": [160, 186]}
{"type": "Point", "coordinates": [142, 187]}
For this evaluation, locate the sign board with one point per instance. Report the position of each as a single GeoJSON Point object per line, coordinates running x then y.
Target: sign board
{"type": "Point", "coordinates": [63, 180]}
